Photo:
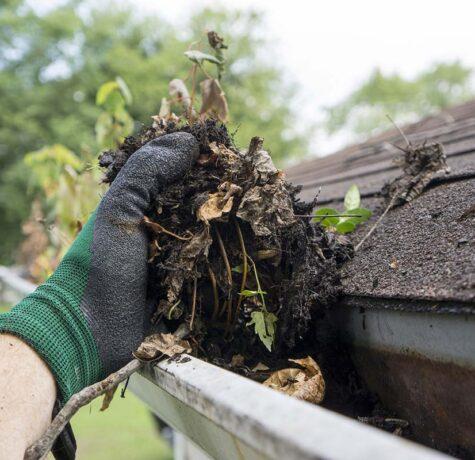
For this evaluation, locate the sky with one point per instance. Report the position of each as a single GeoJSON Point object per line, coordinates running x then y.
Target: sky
{"type": "Point", "coordinates": [329, 48]}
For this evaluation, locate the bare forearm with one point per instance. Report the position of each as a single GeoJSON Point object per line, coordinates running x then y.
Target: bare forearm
{"type": "Point", "coordinates": [27, 395]}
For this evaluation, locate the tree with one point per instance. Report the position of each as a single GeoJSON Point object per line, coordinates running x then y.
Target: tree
{"type": "Point", "coordinates": [405, 100]}
{"type": "Point", "coordinates": [52, 64]}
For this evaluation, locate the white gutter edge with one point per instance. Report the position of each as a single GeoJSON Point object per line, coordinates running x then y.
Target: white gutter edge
{"type": "Point", "coordinates": [198, 398]}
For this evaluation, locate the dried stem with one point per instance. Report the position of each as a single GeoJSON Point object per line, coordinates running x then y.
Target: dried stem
{"type": "Point", "coordinates": [193, 88]}
{"type": "Point", "coordinates": [214, 285]}
{"type": "Point", "coordinates": [193, 304]}
{"type": "Point", "coordinates": [373, 228]}
{"type": "Point", "coordinates": [244, 269]}
{"type": "Point", "coordinates": [401, 132]}
{"type": "Point", "coordinates": [156, 227]}
{"type": "Point", "coordinates": [224, 255]}
{"type": "Point", "coordinates": [40, 449]}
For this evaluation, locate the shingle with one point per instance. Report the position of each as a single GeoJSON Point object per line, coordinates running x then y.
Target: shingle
{"type": "Point", "coordinates": [424, 250]}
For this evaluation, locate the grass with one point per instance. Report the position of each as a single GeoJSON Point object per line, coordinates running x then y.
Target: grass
{"type": "Point", "coordinates": [124, 431]}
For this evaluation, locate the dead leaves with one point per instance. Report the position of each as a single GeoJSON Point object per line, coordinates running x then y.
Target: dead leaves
{"type": "Point", "coordinates": [179, 91]}
{"type": "Point", "coordinates": [157, 345]}
{"type": "Point", "coordinates": [420, 164]}
{"type": "Point", "coordinates": [218, 203]}
{"type": "Point", "coordinates": [305, 383]}
{"type": "Point", "coordinates": [213, 99]}
{"type": "Point", "coordinates": [267, 208]}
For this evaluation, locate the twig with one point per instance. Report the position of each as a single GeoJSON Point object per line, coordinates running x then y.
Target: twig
{"type": "Point", "coordinates": [214, 285]}
{"type": "Point", "coordinates": [193, 304]}
{"type": "Point", "coordinates": [40, 449]}
{"type": "Point", "coordinates": [244, 268]}
{"type": "Point", "coordinates": [380, 218]}
{"type": "Point", "coordinates": [156, 227]}
{"type": "Point", "coordinates": [408, 144]}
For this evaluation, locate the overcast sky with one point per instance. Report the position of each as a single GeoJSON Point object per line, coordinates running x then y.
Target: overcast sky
{"type": "Point", "coordinates": [328, 48]}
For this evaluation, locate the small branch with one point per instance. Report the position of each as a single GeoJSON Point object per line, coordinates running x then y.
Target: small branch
{"type": "Point", "coordinates": [380, 218]}
{"type": "Point", "coordinates": [408, 144]}
{"type": "Point", "coordinates": [193, 304]}
{"type": "Point", "coordinates": [40, 449]}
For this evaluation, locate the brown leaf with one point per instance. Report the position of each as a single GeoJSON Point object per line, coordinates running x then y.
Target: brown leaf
{"type": "Point", "coordinates": [215, 206]}
{"type": "Point", "coordinates": [218, 203]}
{"type": "Point", "coordinates": [307, 383]}
{"type": "Point", "coordinates": [213, 99]}
{"type": "Point", "coordinates": [157, 345]}
{"type": "Point", "coordinates": [178, 90]}
{"type": "Point", "coordinates": [266, 209]}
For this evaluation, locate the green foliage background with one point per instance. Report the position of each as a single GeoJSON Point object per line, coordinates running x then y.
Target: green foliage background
{"type": "Point", "coordinates": [52, 64]}
{"type": "Point", "coordinates": [404, 99]}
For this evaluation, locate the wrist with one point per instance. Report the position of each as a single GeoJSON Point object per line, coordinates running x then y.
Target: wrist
{"type": "Point", "coordinates": [51, 322]}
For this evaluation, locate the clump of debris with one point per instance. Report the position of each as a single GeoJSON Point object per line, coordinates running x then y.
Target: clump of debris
{"type": "Point", "coordinates": [231, 257]}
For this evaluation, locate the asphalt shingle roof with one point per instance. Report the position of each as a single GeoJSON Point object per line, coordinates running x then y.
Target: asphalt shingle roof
{"type": "Point", "coordinates": [424, 251]}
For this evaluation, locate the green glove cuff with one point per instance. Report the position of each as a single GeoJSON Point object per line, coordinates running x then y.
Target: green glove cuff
{"type": "Point", "coordinates": [51, 321]}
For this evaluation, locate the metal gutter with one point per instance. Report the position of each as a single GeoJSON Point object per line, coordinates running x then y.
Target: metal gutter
{"type": "Point", "coordinates": [421, 364]}
{"type": "Point", "coordinates": [231, 417]}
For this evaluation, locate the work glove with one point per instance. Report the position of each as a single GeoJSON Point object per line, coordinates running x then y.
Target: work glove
{"type": "Point", "coordinates": [92, 313]}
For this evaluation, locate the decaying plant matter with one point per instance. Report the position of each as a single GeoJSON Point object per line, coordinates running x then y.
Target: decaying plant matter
{"type": "Point", "coordinates": [419, 164]}
{"type": "Point", "coordinates": [228, 255]}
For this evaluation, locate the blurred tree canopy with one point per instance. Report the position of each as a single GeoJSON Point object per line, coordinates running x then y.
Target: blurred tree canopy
{"type": "Point", "coordinates": [53, 62]}
{"type": "Point", "coordinates": [405, 100]}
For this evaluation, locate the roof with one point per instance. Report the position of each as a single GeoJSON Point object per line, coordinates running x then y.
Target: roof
{"type": "Point", "coordinates": [423, 251]}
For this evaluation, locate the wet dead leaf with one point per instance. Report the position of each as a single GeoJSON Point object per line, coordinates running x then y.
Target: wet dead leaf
{"type": "Point", "coordinates": [264, 169]}
{"type": "Point", "coordinates": [178, 90]}
{"type": "Point", "coordinates": [215, 206]}
{"type": "Point", "coordinates": [213, 99]}
{"type": "Point", "coordinates": [307, 383]}
{"type": "Point", "coordinates": [218, 203]}
{"type": "Point", "coordinates": [266, 208]}
{"type": "Point", "coordinates": [157, 345]}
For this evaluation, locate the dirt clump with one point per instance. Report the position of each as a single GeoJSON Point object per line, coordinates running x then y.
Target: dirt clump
{"type": "Point", "coordinates": [230, 255]}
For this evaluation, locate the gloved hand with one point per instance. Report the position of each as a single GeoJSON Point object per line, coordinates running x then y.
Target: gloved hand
{"type": "Point", "coordinates": [89, 316]}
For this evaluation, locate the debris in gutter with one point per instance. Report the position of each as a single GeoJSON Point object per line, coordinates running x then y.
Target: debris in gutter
{"type": "Point", "coordinates": [305, 382]}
